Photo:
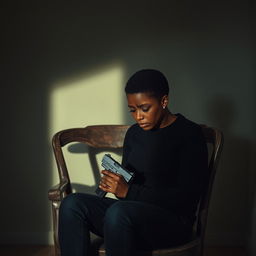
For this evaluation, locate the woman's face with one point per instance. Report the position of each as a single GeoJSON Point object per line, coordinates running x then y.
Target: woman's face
{"type": "Point", "coordinates": [146, 110]}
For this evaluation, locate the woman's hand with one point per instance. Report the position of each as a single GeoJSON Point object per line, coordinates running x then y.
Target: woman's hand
{"type": "Point", "coordinates": [114, 183]}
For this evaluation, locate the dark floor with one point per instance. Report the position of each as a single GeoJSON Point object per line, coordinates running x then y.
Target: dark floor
{"type": "Point", "coordinates": [38, 250]}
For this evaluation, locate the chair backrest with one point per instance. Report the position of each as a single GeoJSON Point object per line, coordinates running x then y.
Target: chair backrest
{"type": "Point", "coordinates": [215, 138]}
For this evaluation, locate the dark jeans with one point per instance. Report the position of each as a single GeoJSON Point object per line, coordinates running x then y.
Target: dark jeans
{"type": "Point", "coordinates": [126, 226]}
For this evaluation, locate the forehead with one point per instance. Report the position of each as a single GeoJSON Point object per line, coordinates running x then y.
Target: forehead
{"type": "Point", "coordinates": [140, 99]}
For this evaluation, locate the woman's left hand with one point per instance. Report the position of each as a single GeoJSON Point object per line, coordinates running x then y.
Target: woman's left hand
{"type": "Point", "coordinates": [114, 183]}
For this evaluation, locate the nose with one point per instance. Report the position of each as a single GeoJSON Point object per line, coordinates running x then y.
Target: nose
{"type": "Point", "coordinates": [139, 115]}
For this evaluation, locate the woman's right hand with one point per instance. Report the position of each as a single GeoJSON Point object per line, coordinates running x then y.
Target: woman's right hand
{"type": "Point", "coordinates": [114, 183]}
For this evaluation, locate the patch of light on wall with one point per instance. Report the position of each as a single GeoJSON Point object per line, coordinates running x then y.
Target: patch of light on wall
{"type": "Point", "coordinates": [94, 97]}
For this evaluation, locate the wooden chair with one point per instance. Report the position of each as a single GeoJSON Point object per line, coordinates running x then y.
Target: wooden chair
{"type": "Point", "coordinates": [111, 137]}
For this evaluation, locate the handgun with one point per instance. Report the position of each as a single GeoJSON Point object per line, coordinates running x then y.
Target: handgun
{"type": "Point", "coordinates": [110, 164]}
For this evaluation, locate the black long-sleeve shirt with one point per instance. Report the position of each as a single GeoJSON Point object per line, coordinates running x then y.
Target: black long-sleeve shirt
{"type": "Point", "coordinates": [170, 165]}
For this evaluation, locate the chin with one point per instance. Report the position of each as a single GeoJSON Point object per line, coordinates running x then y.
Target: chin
{"type": "Point", "coordinates": [147, 128]}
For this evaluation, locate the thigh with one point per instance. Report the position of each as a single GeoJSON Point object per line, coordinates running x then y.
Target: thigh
{"type": "Point", "coordinates": [153, 226]}
{"type": "Point", "coordinates": [90, 208]}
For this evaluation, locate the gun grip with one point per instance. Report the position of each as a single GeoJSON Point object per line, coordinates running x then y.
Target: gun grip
{"type": "Point", "coordinates": [100, 192]}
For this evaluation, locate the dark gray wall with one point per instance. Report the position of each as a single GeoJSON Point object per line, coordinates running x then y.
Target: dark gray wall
{"type": "Point", "coordinates": [205, 48]}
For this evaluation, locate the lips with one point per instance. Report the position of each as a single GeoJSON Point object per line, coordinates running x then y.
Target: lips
{"type": "Point", "coordinates": [142, 125]}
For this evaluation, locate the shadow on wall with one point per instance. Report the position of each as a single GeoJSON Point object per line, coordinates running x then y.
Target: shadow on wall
{"type": "Point", "coordinates": [252, 203]}
{"type": "Point", "coordinates": [80, 148]}
{"type": "Point", "coordinates": [230, 208]}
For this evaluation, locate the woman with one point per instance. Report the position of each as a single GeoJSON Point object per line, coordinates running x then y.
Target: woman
{"type": "Point", "coordinates": [168, 155]}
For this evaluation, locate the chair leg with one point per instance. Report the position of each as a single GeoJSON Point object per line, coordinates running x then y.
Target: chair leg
{"type": "Point", "coordinates": [201, 253]}
{"type": "Point", "coordinates": [199, 250]}
{"type": "Point", "coordinates": [55, 215]}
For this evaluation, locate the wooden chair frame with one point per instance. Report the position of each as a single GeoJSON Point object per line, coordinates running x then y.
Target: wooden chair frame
{"type": "Point", "coordinates": [111, 137]}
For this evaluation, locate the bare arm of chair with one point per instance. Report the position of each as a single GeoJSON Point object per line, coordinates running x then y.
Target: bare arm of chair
{"type": "Point", "coordinates": [60, 139]}
{"type": "Point", "coordinates": [56, 192]}
{"type": "Point", "coordinates": [59, 191]}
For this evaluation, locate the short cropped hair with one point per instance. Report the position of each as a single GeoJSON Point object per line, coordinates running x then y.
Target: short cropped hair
{"type": "Point", "coordinates": [149, 81]}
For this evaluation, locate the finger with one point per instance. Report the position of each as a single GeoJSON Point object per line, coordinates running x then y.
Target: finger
{"type": "Point", "coordinates": [107, 183]}
{"type": "Point", "coordinates": [110, 181]}
{"type": "Point", "coordinates": [104, 184]}
{"type": "Point", "coordinates": [115, 176]}
{"type": "Point", "coordinates": [106, 178]}
{"type": "Point", "coordinates": [106, 172]}
{"type": "Point", "coordinates": [106, 189]}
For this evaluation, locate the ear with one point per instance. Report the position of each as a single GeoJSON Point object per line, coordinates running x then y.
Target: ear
{"type": "Point", "coordinates": [164, 101]}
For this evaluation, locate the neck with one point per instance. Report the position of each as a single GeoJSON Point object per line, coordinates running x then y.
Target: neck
{"type": "Point", "coordinates": [168, 118]}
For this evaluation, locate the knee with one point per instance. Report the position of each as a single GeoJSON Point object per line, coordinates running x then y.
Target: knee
{"type": "Point", "coordinates": [117, 214]}
{"type": "Point", "coordinates": [69, 205]}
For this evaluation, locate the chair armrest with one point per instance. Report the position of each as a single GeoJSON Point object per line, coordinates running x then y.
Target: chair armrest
{"type": "Point", "coordinates": [56, 192]}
